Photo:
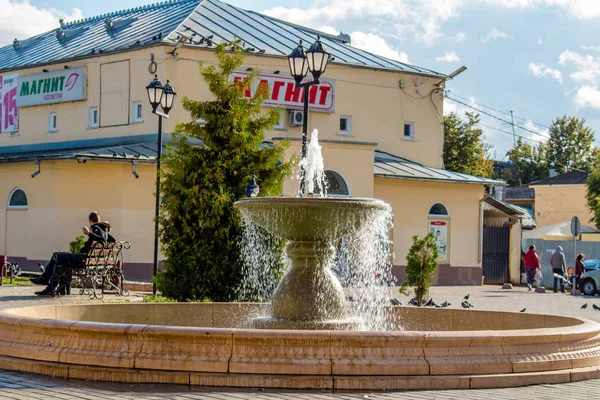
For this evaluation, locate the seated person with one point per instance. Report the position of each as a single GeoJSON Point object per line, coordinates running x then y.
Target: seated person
{"type": "Point", "coordinates": [98, 232]}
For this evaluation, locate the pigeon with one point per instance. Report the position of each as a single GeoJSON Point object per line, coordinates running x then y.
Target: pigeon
{"type": "Point", "coordinates": [595, 307]}
{"type": "Point", "coordinates": [41, 267]}
{"type": "Point", "coordinates": [466, 297]}
{"type": "Point", "coordinates": [523, 310]}
{"type": "Point", "coordinates": [465, 304]}
{"type": "Point", "coordinates": [413, 302]}
{"type": "Point", "coordinates": [445, 304]}
{"type": "Point", "coordinates": [584, 306]}
{"type": "Point", "coordinates": [396, 302]}
{"type": "Point", "coordinates": [429, 303]}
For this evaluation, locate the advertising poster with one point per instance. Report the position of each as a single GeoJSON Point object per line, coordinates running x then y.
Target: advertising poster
{"type": "Point", "coordinates": [440, 231]}
{"type": "Point", "coordinates": [52, 87]}
{"type": "Point", "coordinates": [9, 113]}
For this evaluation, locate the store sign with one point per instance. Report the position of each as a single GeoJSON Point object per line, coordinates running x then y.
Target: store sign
{"type": "Point", "coordinates": [52, 87]}
{"type": "Point", "coordinates": [282, 92]}
{"type": "Point", "coordinates": [9, 113]}
{"type": "Point", "coordinates": [440, 231]}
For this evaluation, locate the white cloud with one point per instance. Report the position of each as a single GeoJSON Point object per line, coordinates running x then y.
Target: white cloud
{"type": "Point", "coordinates": [592, 48]}
{"type": "Point", "coordinates": [540, 135]}
{"type": "Point", "coordinates": [540, 41]}
{"type": "Point", "coordinates": [20, 19]}
{"type": "Point", "coordinates": [459, 37]}
{"type": "Point", "coordinates": [587, 67]}
{"type": "Point", "coordinates": [587, 96]}
{"type": "Point", "coordinates": [448, 57]}
{"type": "Point", "coordinates": [579, 9]}
{"type": "Point", "coordinates": [540, 70]}
{"type": "Point", "coordinates": [493, 35]}
{"type": "Point", "coordinates": [376, 44]}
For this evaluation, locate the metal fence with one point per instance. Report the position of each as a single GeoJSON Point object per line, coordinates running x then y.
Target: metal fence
{"type": "Point", "coordinates": [545, 248]}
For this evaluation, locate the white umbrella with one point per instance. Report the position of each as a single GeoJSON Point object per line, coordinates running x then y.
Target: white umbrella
{"type": "Point", "coordinates": [560, 231]}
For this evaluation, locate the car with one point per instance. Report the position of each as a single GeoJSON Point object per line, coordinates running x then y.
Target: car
{"type": "Point", "coordinates": [589, 282]}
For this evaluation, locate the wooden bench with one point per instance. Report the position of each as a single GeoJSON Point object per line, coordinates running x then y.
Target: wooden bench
{"type": "Point", "coordinates": [101, 268]}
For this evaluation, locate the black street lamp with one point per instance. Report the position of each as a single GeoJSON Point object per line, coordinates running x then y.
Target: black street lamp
{"type": "Point", "coordinates": [163, 96]}
{"type": "Point", "coordinates": [301, 61]}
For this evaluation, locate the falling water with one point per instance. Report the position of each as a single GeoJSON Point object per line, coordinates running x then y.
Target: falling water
{"type": "Point", "coordinates": [314, 167]}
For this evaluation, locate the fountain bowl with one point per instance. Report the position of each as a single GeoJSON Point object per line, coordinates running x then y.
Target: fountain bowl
{"type": "Point", "coordinates": [310, 218]}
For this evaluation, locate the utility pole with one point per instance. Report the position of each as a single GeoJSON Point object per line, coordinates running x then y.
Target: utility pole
{"type": "Point", "coordinates": [512, 117]}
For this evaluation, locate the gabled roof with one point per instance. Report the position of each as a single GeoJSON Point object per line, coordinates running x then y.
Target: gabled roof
{"type": "Point", "coordinates": [198, 24]}
{"type": "Point", "coordinates": [390, 166]}
{"type": "Point", "coordinates": [578, 177]}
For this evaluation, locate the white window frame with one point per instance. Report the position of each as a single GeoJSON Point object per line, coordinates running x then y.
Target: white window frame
{"type": "Point", "coordinates": [412, 130]}
{"type": "Point", "coordinates": [135, 118]}
{"type": "Point", "coordinates": [93, 111]}
{"type": "Point", "coordinates": [52, 122]}
{"type": "Point", "coordinates": [439, 216]}
{"type": "Point", "coordinates": [8, 206]}
{"type": "Point", "coordinates": [280, 126]}
{"type": "Point", "coordinates": [348, 131]}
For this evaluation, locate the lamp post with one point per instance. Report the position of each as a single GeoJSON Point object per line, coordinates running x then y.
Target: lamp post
{"type": "Point", "coordinates": [163, 96]}
{"type": "Point", "coordinates": [301, 61]}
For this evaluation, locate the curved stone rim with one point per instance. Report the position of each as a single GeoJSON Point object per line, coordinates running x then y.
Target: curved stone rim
{"type": "Point", "coordinates": [297, 359]}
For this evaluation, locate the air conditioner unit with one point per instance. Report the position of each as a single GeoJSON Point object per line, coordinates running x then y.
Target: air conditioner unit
{"type": "Point", "coordinates": [296, 117]}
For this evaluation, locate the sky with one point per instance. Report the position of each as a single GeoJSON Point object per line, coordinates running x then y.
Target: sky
{"type": "Point", "coordinates": [538, 58]}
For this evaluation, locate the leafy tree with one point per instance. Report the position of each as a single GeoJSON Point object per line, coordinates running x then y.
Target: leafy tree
{"type": "Point", "coordinates": [593, 195]}
{"type": "Point", "coordinates": [570, 144]}
{"type": "Point", "coordinates": [200, 229]}
{"type": "Point", "coordinates": [529, 161]}
{"type": "Point", "coordinates": [420, 267]}
{"type": "Point", "coordinates": [464, 150]}
{"type": "Point", "coordinates": [77, 244]}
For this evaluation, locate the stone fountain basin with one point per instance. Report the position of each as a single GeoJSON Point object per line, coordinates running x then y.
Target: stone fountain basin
{"type": "Point", "coordinates": [207, 344]}
{"type": "Point", "coordinates": [310, 218]}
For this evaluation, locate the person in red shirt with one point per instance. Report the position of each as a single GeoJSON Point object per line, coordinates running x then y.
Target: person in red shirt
{"type": "Point", "coordinates": [532, 263]}
{"type": "Point", "coordinates": [579, 267]}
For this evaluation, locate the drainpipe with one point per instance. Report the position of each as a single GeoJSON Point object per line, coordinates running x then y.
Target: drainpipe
{"type": "Point", "coordinates": [437, 90]}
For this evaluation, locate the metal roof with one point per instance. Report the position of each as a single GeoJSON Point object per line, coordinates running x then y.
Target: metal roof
{"type": "Point", "coordinates": [575, 177]}
{"type": "Point", "coordinates": [200, 24]}
{"type": "Point", "coordinates": [390, 166]}
{"type": "Point", "coordinates": [141, 148]}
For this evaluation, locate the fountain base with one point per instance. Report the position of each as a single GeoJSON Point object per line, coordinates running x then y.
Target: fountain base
{"type": "Point", "coordinates": [274, 323]}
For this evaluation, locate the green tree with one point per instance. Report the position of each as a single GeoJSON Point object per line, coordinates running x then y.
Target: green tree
{"type": "Point", "coordinates": [77, 244]}
{"type": "Point", "coordinates": [464, 150]}
{"type": "Point", "coordinates": [200, 229]}
{"type": "Point", "coordinates": [529, 161]}
{"type": "Point", "coordinates": [570, 144]}
{"type": "Point", "coordinates": [421, 264]}
{"type": "Point", "coordinates": [593, 195]}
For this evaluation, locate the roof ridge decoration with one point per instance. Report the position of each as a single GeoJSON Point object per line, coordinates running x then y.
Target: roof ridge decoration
{"type": "Point", "coordinates": [66, 34]}
{"type": "Point", "coordinates": [112, 25]}
{"type": "Point", "coordinates": [128, 11]}
{"type": "Point", "coordinates": [23, 44]}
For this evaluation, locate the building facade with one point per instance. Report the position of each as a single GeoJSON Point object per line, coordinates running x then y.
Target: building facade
{"type": "Point", "coordinates": [77, 132]}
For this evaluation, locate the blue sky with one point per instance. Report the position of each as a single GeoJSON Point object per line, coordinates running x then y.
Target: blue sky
{"type": "Point", "coordinates": [540, 58]}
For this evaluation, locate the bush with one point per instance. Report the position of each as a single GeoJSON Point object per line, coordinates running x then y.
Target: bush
{"type": "Point", "coordinates": [420, 267]}
{"type": "Point", "coordinates": [76, 245]}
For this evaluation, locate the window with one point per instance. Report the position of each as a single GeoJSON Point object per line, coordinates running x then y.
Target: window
{"type": "Point", "coordinates": [335, 184]}
{"type": "Point", "coordinates": [345, 125]}
{"type": "Point", "coordinates": [281, 124]}
{"type": "Point", "coordinates": [438, 210]}
{"type": "Point", "coordinates": [17, 199]}
{"type": "Point", "coordinates": [93, 117]}
{"type": "Point", "coordinates": [52, 122]}
{"type": "Point", "coordinates": [409, 131]}
{"type": "Point", "coordinates": [136, 112]}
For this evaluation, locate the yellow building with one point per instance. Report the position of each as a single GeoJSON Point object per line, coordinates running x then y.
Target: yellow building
{"type": "Point", "coordinates": [560, 198]}
{"type": "Point", "coordinates": [77, 133]}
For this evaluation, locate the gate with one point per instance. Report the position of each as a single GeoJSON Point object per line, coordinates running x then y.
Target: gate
{"type": "Point", "coordinates": [496, 246]}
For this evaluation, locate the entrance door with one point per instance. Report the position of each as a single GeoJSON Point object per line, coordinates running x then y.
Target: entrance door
{"type": "Point", "coordinates": [496, 246]}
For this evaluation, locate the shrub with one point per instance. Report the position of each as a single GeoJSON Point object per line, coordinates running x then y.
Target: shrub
{"type": "Point", "coordinates": [420, 267]}
{"type": "Point", "coordinates": [76, 245]}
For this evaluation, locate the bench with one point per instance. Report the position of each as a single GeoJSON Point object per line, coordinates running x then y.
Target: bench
{"type": "Point", "coordinates": [100, 268]}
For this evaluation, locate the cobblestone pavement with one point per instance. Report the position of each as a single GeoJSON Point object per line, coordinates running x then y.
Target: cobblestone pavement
{"type": "Point", "coordinates": [16, 385]}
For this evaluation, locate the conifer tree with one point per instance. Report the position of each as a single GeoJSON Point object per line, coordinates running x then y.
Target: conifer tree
{"type": "Point", "coordinates": [199, 227]}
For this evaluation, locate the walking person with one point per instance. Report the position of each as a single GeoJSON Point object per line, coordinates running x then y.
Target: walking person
{"type": "Point", "coordinates": [557, 261]}
{"type": "Point", "coordinates": [532, 263]}
{"type": "Point", "coordinates": [579, 268]}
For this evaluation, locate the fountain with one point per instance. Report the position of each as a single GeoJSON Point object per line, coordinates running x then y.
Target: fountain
{"type": "Point", "coordinates": [217, 344]}
{"type": "Point", "coordinates": [309, 295]}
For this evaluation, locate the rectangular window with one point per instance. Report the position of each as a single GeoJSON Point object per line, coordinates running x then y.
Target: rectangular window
{"type": "Point", "coordinates": [136, 112]}
{"type": "Point", "coordinates": [52, 122]}
{"type": "Point", "coordinates": [409, 131]}
{"type": "Point", "coordinates": [345, 125]}
{"type": "Point", "coordinates": [93, 117]}
{"type": "Point", "coordinates": [281, 124]}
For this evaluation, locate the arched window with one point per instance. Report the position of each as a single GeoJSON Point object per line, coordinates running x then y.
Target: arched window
{"type": "Point", "coordinates": [17, 199]}
{"type": "Point", "coordinates": [438, 210]}
{"type": "Point", "coordinates": [335, 183]}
